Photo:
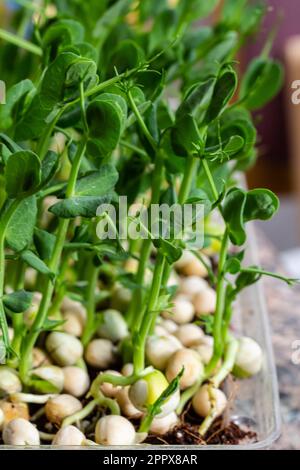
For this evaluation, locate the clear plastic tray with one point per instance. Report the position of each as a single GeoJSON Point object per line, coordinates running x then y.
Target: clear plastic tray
{"type": "Point", "coordinates": [256, 402]}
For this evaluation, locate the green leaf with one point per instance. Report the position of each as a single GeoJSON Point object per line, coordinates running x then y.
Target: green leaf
{"type": "Point", "coordinates": [192, 10]}
{"type": "Point", "coordinates": [50, 325]}
{"type": "Point", "coordinates": [168, 249]}
{"type": "Point", "coordinates": [33, 121]}
{"type": "Point", "coordinates": [246, 279]}
{"type": "Point", "coordinates": [197, 98]}
{"type": "Point", "coordinates": [224, 90]}
{"type": "Point", "coordinates": [36, 263]}
{"type": "Point", "coordinates": [184, 135]}
{"type": "Point", "coordinates": [44, 243]}
{"type": "Point", "coordinates": [127, 55]}
{"type": "Point", "coordinates": [261, 82]}
{"type": "Point", "coordinates": [41, 386]}
{"type": "Point", "coordinates": [233, 212]}
{"type": "Point", "coordinates": [64, 32]}
{"type": "Point", "coordinates": [18, 301]}
{"type": "Point", "coordinates": [63, 76]}
{"type": "Point", "coordinates": [241, 206]}
{"type": "Point", "coordinates": [97, 183]}
{"type": "Point", "coordinates": [49, 167]}
{"type": "Point", "coordinates": [163, 29]}
{"type": "Point", "coordinates": [20, 228]}
{"type": "Point", "coordinates": [261, 204]}
{"type": "Point", "coordinates": [22, 174]}
{"type": "Point", "coordinates": [13, 97]}
{"type": "Point", "coordinates": [84, 206]}
{"type": "Point", "coordinates": [233, 263]}
{"type": "Point", "coordinates": [106, 121]}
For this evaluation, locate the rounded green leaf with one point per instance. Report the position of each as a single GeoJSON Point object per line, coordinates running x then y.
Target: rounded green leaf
{"type": "Point", "coordinates": [22, 173]}
{"type": "Point", "coordinates": [105, 120]}
{"type": "Point", "coordinates": [185, 135]}
{"type": "Point", "coordinates": [261, 204]}
{"type": "Point", "coordinates": [262, 81]}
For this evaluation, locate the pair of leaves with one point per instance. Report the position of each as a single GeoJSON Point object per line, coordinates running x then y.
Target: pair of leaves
{"type": "Point", "coordinates": [91, 190]}
{"type": "Point", "coordinates": [241, 206]}
{"type": "Point", "coordinates": [261, 82]}
{"type": "Point", "coordinates": [106, 117]}
{"type": "Point", "coordinates": [60, 83]}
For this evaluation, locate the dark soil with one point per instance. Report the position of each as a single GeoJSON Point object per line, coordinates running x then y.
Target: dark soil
{"type": "Point", "coordinates": [187, 434]}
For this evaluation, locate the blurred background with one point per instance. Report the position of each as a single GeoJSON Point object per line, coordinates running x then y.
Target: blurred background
{"type": "Point", "coordinates": [278, 168]}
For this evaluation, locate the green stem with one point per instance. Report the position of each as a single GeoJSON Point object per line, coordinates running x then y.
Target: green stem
{"type": "Point", "coordinates": [262, 272]}
{"type": "Point", "coordinates": [149, 316]}
{"type": "Point", "coordinates": [6, 217]}
{"type": "Point", "coordinates": [89, 408]}
{"type": "Point", "coordinates": [228, 363]}
{"type": "Point", "coordinates": [48, 289]}
{"type": "Point", "coordinates": [141, 122]}
{"type": "Point", "coordinates": [205, 425]}
{"type": "Point", "coordinates": [20, 42]}
{"type": "Point", "coordinates": [220, 307]}
{"type": "Point", "coordinates": [91, 294]}
{"type": "Point", "coordinates": [105, 377]}
{"type": "Point", "coordinates": [210, 179]}
{"type": "Point", "coordinates": [17, 319]}
{"type": "Point", "coordinates": [185, 188]}
{"type": "Point", "coordinates": [133, 147]}
{"type": "Point", "coordinates": [135, 313]}
{"type": "Point", "coordinates": [189, 173]}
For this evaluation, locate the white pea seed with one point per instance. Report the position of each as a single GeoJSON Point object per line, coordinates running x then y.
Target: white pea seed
{"type": "Point", "coordinates": [189, 334]}
{"type": "Point", "coordinates": [100, 353]}
{"type": "Point", "coordinates": [205, 351]}
{"type": "Point", "coordinates": [159, 349]}
{"type": "Point", "coordinates": [202, 403]}
{"type": "Point", "coordinates": [20, 432]}
{"type": "Point", "coordinates": [69, 436]}
{"type": "Point", "coordinates": [76, 381]}
{"type": "Point", "coordinates": [146, 391]}
{"type": "Point", "coordinates": [73, 324]}
{"type": "Point", "coordinates": [164, 425]}
{"type": "Point", "coordinates": [39, 358]}
{"type": "Point", "coordinates": [249, 358]}
{"type": "Point", "coordinates": [193, 367]}
{"type": "Point", "coordinates": [169, 325]}
{"type": "Point", "coordinates": [114, 326]}
{"type": "Point", "coordinates": [70, 305]}
{"type": "Point", "coordinates": [114, 430]}
{"type": "Point", "coordinates": [126, 405]}
{"type": "Point", "coordinates": [59, 407]}
{"type": "Point", "coordinates": [192, 285]}
{"type": "Point", "coordinates": [205, 302]}
{"type": "Point", "coordinates": [182, 311]}
{"type": "Point", "coordinates": [64, 349]}
{"type": "Point", "coordinates": [52, 374]}
{"type": "Point", "coordinates": [127, 369]}
{"type": "Point", "coordinates": [120, 298]}
{"type": "Point", "coordinates": [9, 381]}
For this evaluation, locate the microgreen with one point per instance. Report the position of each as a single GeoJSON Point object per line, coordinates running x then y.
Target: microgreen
{"type": "Point", "coordinates": [96, 108]}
